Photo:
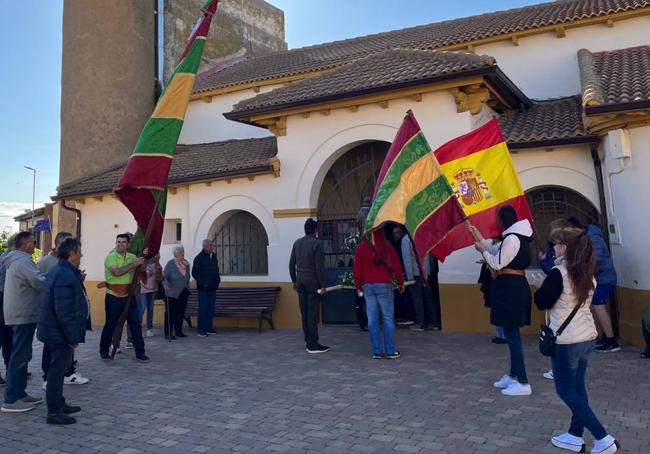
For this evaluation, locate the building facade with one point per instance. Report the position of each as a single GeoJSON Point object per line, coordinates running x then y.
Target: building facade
{"type": "Point", "coordinates": [270, 141]}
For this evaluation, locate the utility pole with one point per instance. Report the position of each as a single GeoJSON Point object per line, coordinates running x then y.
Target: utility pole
{"type": "Point", "coordinates": [33, 192]}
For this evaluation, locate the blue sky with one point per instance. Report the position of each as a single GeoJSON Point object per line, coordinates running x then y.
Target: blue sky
{"type": "Point", "coordinates": [30, 79]}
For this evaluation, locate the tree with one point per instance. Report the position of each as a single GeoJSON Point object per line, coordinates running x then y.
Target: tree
{"type": "Point", "coordinates": [4, 237]}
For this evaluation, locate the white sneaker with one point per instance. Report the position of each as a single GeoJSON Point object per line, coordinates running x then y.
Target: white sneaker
{"type": "Point", "coordinates": [607, 445]}
{"type": "Point", "coordinates": [517, 389]}
{"type": "Point", "coordinates": [75, 379]}
{"type": "Point", "coordinates": [504, 382]}
{"type": "Point", "coordinates": [149, 333]}
{"type": "Point", "coordinates": [569, 442]}
{"type": "Point", "coordinates": [44, 385]}
{"type": "Point", "coordinates": [549, 375]}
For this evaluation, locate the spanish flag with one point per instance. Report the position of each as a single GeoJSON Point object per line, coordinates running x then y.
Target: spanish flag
{"type": "Point", "coordinates": [483, 177]}
{"type": "Point", "coordinates": [143, 185]}
{"type": "Point", "coordinates": [412, 190]}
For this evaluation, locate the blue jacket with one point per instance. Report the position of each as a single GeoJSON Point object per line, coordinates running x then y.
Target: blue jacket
{"type": "Point", "coordinates": [606, 274]}
{"type": "Point", "coordinates": [64, 309]}
{"type": "Point", "coordinates": [548, 262]}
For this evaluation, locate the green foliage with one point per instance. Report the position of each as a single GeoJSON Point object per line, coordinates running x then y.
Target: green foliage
{"type": "Point", "coordinates": [4, 237]}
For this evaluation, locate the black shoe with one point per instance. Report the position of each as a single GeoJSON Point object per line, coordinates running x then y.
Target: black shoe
{"type": "Point", "coordinates": [144, 358]}
{"type": "Point", "coordinates": [60, 419]}
{"type": "Point", "coordinates": [646, 354]}
{"type": "Point", "coordinates": [211, 331]}
{"type": "Point", "coordinates": [608, 346]}
{"type": "Point", "coordinates": [395, 355]}
{"type": "Point", "coordinates": [104, 356]}
{"type": "Point", "coordinates": [181, 335]}
{"type": "Point", "coordinates": [318, 349]}
{"type": "Point", "coordinates": [499, 340]}
{"type": "Point", "coordinates": [69, 409]}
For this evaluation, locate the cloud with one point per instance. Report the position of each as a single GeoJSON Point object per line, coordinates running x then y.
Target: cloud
{"type": "Point", "coordinates": [9, 210]}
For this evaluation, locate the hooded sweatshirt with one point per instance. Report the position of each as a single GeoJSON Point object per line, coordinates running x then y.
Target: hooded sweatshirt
{"type": "Point", "coordinates": [23, 289]}
{"type": "Point", "coordinates": [499, 255]}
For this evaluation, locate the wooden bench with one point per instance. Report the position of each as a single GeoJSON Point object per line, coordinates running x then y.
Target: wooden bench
{"type": "Point", "coordinates": [236, 302]}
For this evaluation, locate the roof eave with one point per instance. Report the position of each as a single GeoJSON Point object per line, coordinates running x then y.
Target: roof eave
{"type": "Point", "coordinates": [494, 74]}
{"type": "Point", "coordinates": [620, 107]}
{"type": "Point", "coordinates": [547, 143]}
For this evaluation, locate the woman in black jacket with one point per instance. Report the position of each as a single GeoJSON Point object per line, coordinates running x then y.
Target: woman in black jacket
{"type": "Point", "coordinates": [510, 297]}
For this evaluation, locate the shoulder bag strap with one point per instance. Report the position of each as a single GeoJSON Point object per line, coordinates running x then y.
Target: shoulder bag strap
{"type": "Point", "coordinates": [568, 319]}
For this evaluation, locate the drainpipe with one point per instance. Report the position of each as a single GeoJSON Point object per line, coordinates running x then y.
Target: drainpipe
{"type": "Point", "coordinates": [598, 167]}
{"type": "Point", "coordinates": [78, 213]}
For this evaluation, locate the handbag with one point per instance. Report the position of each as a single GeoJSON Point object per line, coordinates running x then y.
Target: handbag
{"type": "Point", "coordinates": [548, 338]}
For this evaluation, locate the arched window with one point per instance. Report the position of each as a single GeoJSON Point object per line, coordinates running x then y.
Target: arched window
{"type": "Point", "coordinates": [240, 243]}
{"type": "Point", "coordinates": [553, 202]}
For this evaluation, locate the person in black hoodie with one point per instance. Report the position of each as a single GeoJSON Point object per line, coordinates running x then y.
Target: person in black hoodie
{"type": "Point", "coordinates": [62, 326]}
{"type": "Point", "coordinates": [205, 271]}
{"type": "Point", "coordinates": [510, 297]}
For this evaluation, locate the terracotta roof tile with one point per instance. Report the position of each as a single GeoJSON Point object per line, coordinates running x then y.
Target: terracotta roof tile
{"type": "Point", "coordinates": [436, 35]}
{"type": "Point", "coordinates": [192, 163]}
{"type": "Point", "coordinates": [615, 77]}
{"type": "Point", "coordinates": [545, 121]}
{"type": "Point", "coordinates": [378, 71]}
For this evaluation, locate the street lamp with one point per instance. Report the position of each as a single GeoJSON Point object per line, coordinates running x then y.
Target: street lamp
{"type": "Point", "coordinates": [33, 192]}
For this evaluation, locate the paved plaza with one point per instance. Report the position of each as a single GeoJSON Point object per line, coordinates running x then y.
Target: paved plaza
{"type": "Point", "coordinates": [240, 391]}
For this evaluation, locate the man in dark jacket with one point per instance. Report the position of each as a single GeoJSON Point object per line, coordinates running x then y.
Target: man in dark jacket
{"type": "Point", "coordinates": [205, 271]}
{"type": "Point", "coordinates": [62, 326]}
{"type": "Point", "coordinates": [307, 271]}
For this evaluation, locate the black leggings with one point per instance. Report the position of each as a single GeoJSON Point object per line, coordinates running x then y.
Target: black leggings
{"type": "Point", "coordinates": [646, 335]}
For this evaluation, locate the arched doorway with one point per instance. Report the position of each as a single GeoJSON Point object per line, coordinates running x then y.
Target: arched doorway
{"type": "Point", "coordinates": [240, 243]}
{"type": "Point", "coordinates": [351, 178]}
{"type": "Point", "coordinates": [548, 203]}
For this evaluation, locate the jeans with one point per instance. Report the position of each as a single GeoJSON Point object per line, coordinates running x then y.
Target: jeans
{"type": "Point", "coordinates": [21, 354]}
{"type": "Point", "coordinates": [569, 370]}
{"type": "Point", "coordinates": [205, 316]}
{"type": "Point", "coordinates": [423, 304]}
{"type": "Point", "coordinates": [60, 362]}
{"type": "Point", "coordinates": [46, 359]}
{"type": "Point", "coordinates": [500, 332]}
{"type": "Point", "coordinates": [6, 335]}
{"type": "Point", "coordinates": [146, 302]}
{"type": "Point", "coordinates": [174, 313]}
{"type": "Point", "coordinates": [517, 366]}
{"type": "Point", "coordinates": [113, 307]}
{"type": "Point", "coordinates": [379, 297]}
{"type": "Point", "coordinates": [309, 301]}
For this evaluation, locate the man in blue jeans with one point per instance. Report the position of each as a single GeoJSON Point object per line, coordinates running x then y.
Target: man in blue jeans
{"type": "Point", "coordinates": [22, 299]}
{"type": "Point", "coordinates": [205, 271]}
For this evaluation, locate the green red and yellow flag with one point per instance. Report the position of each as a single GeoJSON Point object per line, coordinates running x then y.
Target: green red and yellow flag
{"type": "Point", "coordinates": [412, 190]}
{"type": "Point", "coordinates": [143, 185]}
{"type": "Point", "coordinates": [480, 170]}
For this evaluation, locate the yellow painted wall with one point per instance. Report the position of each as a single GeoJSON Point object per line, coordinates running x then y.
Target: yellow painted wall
{"type": "Point", "coordinates": [631, 303]}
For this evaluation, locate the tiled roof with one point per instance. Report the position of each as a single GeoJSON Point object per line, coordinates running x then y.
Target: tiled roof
{"type": "Point", "coordinates": [192, 163]}
{"type": "Point", "coordinates": [615, 77]}
{"type": "Point", "coordinates": [555, 120]}
{"type": "Point", "coordinates": [383, 70]}
{"type": "Point", "coordinates": [432, 36]}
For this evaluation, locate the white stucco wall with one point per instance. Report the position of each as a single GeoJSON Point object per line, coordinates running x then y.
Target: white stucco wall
{"type": "Point", "coordinates": [628, 205]}
{"type": "Point", "coordinates": [204, 121]}
{"type": "Point", "coordinates": [544, 66]}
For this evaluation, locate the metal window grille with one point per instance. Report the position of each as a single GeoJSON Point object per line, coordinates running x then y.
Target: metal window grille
{"type": "Point", "coordinates": [241, 246]}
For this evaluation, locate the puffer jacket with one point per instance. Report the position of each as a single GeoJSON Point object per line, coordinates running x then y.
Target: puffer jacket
{"type": "Point", "coordinates": [64, 309]}
{"type": "Point", "coordinates": [606, 274]}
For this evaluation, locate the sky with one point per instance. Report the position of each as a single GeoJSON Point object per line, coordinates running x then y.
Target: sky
{"type": "Point", "coordinates": [30, 76]}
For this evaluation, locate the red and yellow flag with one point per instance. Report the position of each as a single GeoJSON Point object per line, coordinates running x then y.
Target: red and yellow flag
{"type": "Point", "coordinates": [481, 172]}
{"type": "Point", "coordinates": [412, 190]}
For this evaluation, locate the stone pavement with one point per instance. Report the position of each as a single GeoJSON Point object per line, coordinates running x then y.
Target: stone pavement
{"type": "Point", "coordinates": [243, 392]}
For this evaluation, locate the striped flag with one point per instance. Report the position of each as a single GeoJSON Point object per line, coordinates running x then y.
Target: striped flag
{"type": "Point", "coordinates": [481, 172]}
{"type": "Point", "coordinates": [412, 190]}
{"type": "Point", "coordinates": [143, 185]}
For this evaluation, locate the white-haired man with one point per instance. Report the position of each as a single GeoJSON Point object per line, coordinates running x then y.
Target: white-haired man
{"type": "Point", "coordinates": [205, 271]}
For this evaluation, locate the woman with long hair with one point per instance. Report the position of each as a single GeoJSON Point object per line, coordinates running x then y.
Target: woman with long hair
{"type": "Point", "coordinates": [510, 298]}
{"type": "Point", "coordinates": [569, 284]}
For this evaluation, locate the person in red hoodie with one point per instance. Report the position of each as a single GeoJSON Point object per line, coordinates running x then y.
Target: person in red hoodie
{"type": "Point", "coordinates": [375, 265]}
